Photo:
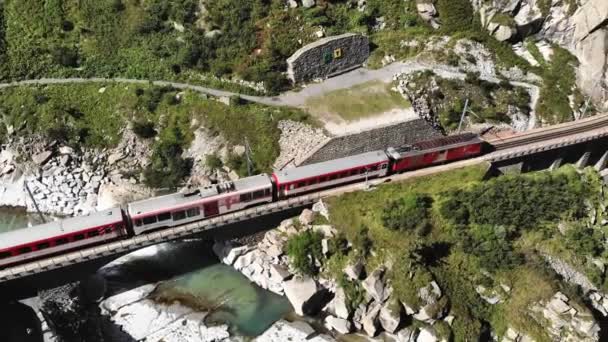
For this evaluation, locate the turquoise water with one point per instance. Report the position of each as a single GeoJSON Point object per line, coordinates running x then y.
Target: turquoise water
{"type": "Point", "coordinates": [11, 219]}
{"type": "Point", "coordinates": [229, 297]}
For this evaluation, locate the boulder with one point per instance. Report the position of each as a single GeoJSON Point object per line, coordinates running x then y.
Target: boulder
{"type": "Point", "coordinates": [306, 217]}
{"type": "Point", "coordinates": [370, 320]}
{"type": "Point", "coordinates": [390, 319]}
{"type": "Point", "coordinates": [279, 272]}
{"type": "Point", "coordinates": [590, 16]}
{"type": "Point", "coordinates": [354, 270]}
{"type": "Point", "coordinates": [327, 230]}
{"type": "Point", "coordinates": [339, 305]}
{"type": "Point", "coordinates": [340, 325]}
{"type": "Point", "coordinates": [321, 209]}
{"type": "Point", "coordinates": [233, 253]}
{"type": "Point", "coordinates": [374, 285]}
{"type": "Point", "coordinates": [504, 33]}
{"type": "Point", "coordinates": [42, 157]}
{"type": "Point", "coordinates": [409, 334]}
{"type": "Point", "coordinates": [244, 260]}
{"type": "Point", "coordinates": [304, 295]}
{"type": "Point", "coordinates": [427, 335]}
{"type": "Point", "coordinates": [308, 3]}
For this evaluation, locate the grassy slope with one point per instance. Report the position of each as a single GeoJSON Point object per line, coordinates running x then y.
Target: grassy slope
{"type": "Point", "coordinates": [367, 99]}
{"type": "Point", "coordinates": [458, 271]}
{"type": "Point", "coordinates": [35, 110]}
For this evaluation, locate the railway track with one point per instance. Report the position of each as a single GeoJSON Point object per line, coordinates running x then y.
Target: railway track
{"type": "Point", "coordinates": [554, 132]}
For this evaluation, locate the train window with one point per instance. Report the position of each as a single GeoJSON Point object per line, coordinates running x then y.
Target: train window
{"type": "Point", "coordinates": [4, 255]}
{"type": "Point", "coordinates": [108, 230]}
{"type": "Point", "coordinates": [354, 172]}
{"type": "Point", "coordinates": [384, 166]}
{"type": "Point", "coordinates": [245, 197]}
{"type": "Point", "coordinates": [93, 233]}
{"type": "Point", "coordinates": [344, 175]}
{"type": "Point", "coordinates": [301, 184]}
{"type": "Point", "coordinates": [61, 241]}
{"type": "Point", "coordinates": [322, 179]}
{"type": "Point", "coordinates": [164, 217]}
{"type": "Point", "coordinates": [333, 177]}
{"type": "Point", "coordinates": [43, 245]}
{"type": "Point", "coordinates": [362, 171]}
{"type": "Point", "coordinates": [24, 250]}
{"type": "Point", "coordinates": [374, 168]}
{"type": "Point", "coordinates": [149, 219]}
{"type": "Point", "coordinates": [179, 215]}
{"type": "Point", "coordinates": [258, 194]}
{"type": "Point", "coordinates": [267, 192]}
{"type": "Point", "coordinates": [193, 212]}
{"type": "Point", "coordinates": [78, 237]}
{"type": "Point", "coordinates": [138, 223]}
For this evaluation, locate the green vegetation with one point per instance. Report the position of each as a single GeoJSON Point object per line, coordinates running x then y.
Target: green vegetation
{"type": "Point", "coordinates": [360, 101]}
{"type": "Point", "coordinates": [489, 102]}
{"type": "Point", "coordinates": [304, 251]}
{"type": "Point", "coordinates": [559, 79]}
{"type": "Point", "coordinates": [479, 233]}
{"type": "Point", "coordinates": [94, 116]}
{"type": "Point", "coordinates": [408, 213]}
{"type": "Point", "coordinates": [455, 15]}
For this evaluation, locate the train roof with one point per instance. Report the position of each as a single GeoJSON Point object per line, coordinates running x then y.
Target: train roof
{"type": "Point", "coordinates": [182, 198]}
{"type": "Point", "coordinates": [331, 166]}
{"type": "Point", "coordinates": [452, 141]}
{"type": "Point", "coordinates": [57, 228]}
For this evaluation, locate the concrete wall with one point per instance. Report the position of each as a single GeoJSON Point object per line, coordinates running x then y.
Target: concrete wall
{"type": "Point", "coordinates": [317, 60]}
{"type": "Point", "coordinates": [376, 139]}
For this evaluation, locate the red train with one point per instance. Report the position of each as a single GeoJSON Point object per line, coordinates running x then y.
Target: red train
{"type": "Point", "coordinates": [161, 212]}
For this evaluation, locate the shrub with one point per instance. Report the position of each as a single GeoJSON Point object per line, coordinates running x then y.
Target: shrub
{"type": "Point", "coordinates": [456, 15]}
{"type": "Point", "coordinates": [362, 242]}
{"type": "Point", "coordinates": [304, 251]}
{"type": "Point", "coordinates": [408, 213]}
{"type": "Point", "coordinates": [353, 292]}
{"type": "Point", "coordinates": [168, 168]}
{"type": "Point", "coordinates": [144, 130]}
{"type": "Point", "coordinates": [213, 162]}
{"type": "Point", "coordinates": [585, 241]}
{"type": "Point", "coordinates": [492, 245]}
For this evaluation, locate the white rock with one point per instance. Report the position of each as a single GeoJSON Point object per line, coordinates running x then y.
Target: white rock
{"type": "Point", "coordinates": [370, 320]}
{"type": "Point", "coordinates": [244, 260]}
{"type": "Point", "coordinates": [66, 150]}
{"type": "Point", "coordinates": [426, 335]}
{"type": "Point", "coordinates": [389, 320]}
{"type": "Point", "coordinates": [374, 285]}
{"type": "Point", "coordinates": [306, 217]}
{"type": "Point", "coordinates": [302, 293]}
{"type": "Point", "coordinates": [279, 272]}
{"type": "Point", "coordinates": [407, 335]}
{"type": "Point", "coordinates": [340, 325]}
{"type": "Point", "coordinates": [308, 3]}
{"type": "Point", "coordinates": [234, 253]}
{"type": "Point", "coordinates": [283, 331]}
{"type": "Point", "coordinates": [339, 304]}
{"type": "Point", "coordinates": [354, 270]}
{"type": "Point", "coordinates": [42, 157]}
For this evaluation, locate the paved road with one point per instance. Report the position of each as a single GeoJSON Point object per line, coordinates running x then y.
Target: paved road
{"type": "Point", "coordinates": [299, 98]}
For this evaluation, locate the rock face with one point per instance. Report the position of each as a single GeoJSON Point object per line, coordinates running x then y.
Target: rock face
{"type": "Point", "coordinates": [327, 56]}
{"type": "Point", "coordinates": [428, 12]}
{"type": "Point", "coordinates": [565, 322]}
{"type": "Point", "coordinates": [297, 141]}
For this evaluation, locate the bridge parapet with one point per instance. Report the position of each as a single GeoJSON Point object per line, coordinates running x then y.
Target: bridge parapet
{"type": "Point", "coordinates": [145, 240]}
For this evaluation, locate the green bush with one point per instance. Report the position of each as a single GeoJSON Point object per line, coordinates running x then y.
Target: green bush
{"type": "Point", "coordinates": [144, 129]}
{"type": "Point", "coordinates": [353, 292]}
{"type": "Point", "coordinates": [304, 251]}
{"type": "Point", "coordinates": [493, 246]}
{"type": "Point", "coordinates": [585, 241]}
{"type": "Point", "coordinates": [167, 168]}
{"type": "Point", "coordinates": [455, 15]}
{"type": "Point", "coordinates": [362, 242]}
{"type": "Point", "coordinates": [408, 213]}
{"type": "Point", "coordinates": [213, 162]}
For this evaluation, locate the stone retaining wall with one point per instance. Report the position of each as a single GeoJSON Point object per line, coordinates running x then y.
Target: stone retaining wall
{"type": "Point", "coordinates": [380, 138]}
{"type": "Point", "coordinates": [328, 56]}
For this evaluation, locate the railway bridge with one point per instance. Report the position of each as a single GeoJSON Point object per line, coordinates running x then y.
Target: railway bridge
{"type": "Point", "coordinates": [584, 142]}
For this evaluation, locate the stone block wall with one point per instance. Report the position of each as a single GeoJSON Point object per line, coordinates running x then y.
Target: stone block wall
{"type": "Point", "coordinates": [395, 135]}
{"type": "Point", "coordinates": [328, 56]}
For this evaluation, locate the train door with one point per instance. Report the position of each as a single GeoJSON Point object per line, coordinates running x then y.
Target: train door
{"type": "Point", "coordinates": [211, 209]}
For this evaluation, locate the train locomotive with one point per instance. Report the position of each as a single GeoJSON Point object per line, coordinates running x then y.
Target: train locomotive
{"type": "Point", "coordinates": [141, 217]}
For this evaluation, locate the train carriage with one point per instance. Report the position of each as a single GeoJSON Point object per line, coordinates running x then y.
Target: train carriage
{"type": "Point", "coordinates": [180, 208]}
{"type": "Point", "coordinates": [322, 175]}
{"type": "Point", "coordinates": [436, 151]}
{"type": "Point", "coordinates": [61, 236]}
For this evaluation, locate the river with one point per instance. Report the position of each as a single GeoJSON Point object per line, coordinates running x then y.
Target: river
{"type": "Point", "coordinates": [187, 271]}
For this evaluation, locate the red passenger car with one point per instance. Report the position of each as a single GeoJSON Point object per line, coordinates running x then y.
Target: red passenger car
{"type": "Point", "coordinates": [436, 151]}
